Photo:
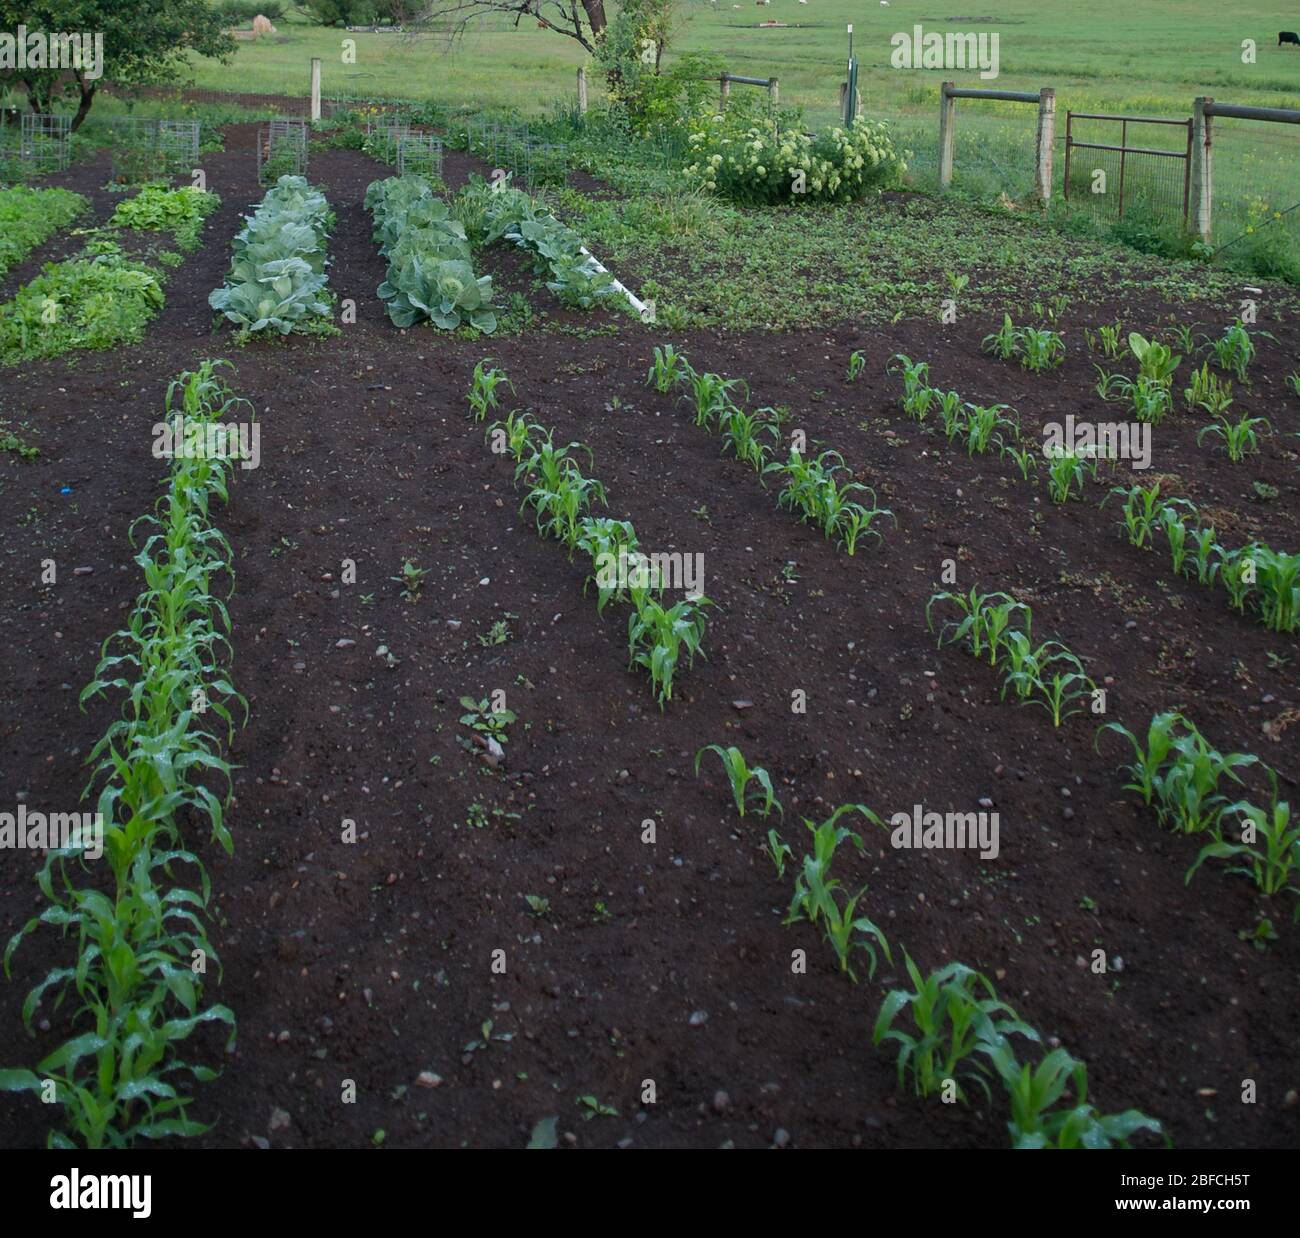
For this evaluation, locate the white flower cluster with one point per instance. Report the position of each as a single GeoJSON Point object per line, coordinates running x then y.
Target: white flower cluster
{"type": "Point", "coordinates": [755, 165]}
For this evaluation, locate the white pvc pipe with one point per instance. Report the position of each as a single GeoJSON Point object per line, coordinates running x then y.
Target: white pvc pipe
{"type": "Point", "coordinates": [633, 300]}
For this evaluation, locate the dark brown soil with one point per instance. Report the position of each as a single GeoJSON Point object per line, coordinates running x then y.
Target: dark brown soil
{"type": "Point", "coordinates": [373, 962]}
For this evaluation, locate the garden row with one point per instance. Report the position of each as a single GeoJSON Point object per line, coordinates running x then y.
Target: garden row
{"type": "Point", "coordinates": [135, 992]}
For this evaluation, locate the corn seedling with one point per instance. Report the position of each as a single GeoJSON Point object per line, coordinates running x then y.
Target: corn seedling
{"type": "Point", "coordinates": [857, 363]}
{"type": "Point", "coordinates": [953, 1011]}
{"type": "Point", "coordinates": [1277, 577]}
{"type": "Point", "coordinates": [984, 623]}
{"type": "Point", "coordinates": [656, 637]}
{"type": "Point", "coordinates": [953, 415]}
{"type": "Point", "coordinates": [670, 368]}
{"type": "Point", "coordinates": [483, 392]}
{"type": "Point", "coordinates": [744, 433]}
{"type": "Point", "coordinates": [981, 425]}
{"type": "Point", "coordinates": [1293, 381]}
{"type": "Point", "coordinates": [561, 503]}
{"type": "Point", "coordinates": [1237, 575]}
{"type": "Point", "coordinates": [761, 796]}
{"type": "Point", "coordinates": [1060, 689]}
{"type": "Point", "coordinates": [1004, 342]}
{"type": "Point", "coordinates": [1179, 772]}
{"type": "Point", "coordinates": [810, 487]}
{"type": "Point", "coordinates": [1175, 531]}
{"type": "Point", "coordinates": [1269, 848]}
{"type": "Point", "coordinates": [1208, 391]}
{"type": "Point", "coordinates": [1040, 349]}
{"type": "Point", "coordinates": [1142, 509]}
{"type": "Point", "coordinates": [1110, 339]}
{"type": "Point", "coordinates": [710, 393]}
{"type": "Point", "coordinates": [917, 392]}
{"type": "Point", "coordinates": [517, 431]}
{"type": "Point", "coordinates": [1025, 457]}
{"type": "Point", "coordinates": [1203, 547]}
{"type": "Point", "coordinates": [1240, 438]}
{"type": "Point", "coordinates": [1064, 476]}
{"type": "Point", "coordinates": [609, 543]}
{"type": "Point", "coordinates": [816, 894]}
{"type": "Point", "coordinates": [1234, 350]}
{"type": "Point", "coordinates": [1033, 1091]}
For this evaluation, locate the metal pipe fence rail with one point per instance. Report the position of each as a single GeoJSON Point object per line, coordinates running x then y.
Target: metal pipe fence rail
{"type": "Point", "coordinates": [1124, 150]}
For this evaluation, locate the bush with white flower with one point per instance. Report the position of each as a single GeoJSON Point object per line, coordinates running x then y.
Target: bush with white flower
{"type": "Point", "coordinates": [763, 163]}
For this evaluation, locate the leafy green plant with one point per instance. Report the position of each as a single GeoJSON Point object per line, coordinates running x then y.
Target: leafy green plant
{"type": "Point", "coordinates": [1208, 391]}
{"type": "Point", "coordinates": [1178, 772]}
{"type": "Point", "coordinates": [668, 370]}
{"type": "Point", "coordinates": [1156, 362]}
{"type": "Point", "coordinates": [1240, 437]}
{"type": "Point", "coordinates": [483, 390]}
{"type": "Point", "coordinates": [740, 775]}
{"type": "Point", "coordinates": [158, 208]}
{"type": "Point", "coordinates": [29, 217]}
{"type": "Point", "coordinates": [411, 578]}
{"type": "Point", "coordinates": [954, 1010]}
{"type": "Point", "coordinates": [817, 894]}
{"type": "Point", "coordinates": [491, 723]}
{"type": "Point", "coordinates": [1234, 350]}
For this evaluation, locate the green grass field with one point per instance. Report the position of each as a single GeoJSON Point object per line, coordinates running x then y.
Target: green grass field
{"type": "Point", "coordinates": [1148, 57]}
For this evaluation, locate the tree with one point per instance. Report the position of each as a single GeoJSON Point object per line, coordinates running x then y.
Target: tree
{"type": "Point", "coordinates": [145, 43]}
{"type": "Point", "coordinates": [581, 20]}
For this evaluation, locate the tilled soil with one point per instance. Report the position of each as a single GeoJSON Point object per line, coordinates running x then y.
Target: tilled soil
{"type": "Point", "coordinates": [660, 963]}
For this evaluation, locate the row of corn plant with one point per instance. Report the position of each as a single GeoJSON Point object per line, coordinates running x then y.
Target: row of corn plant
{"type": "Point", "coordinates": [562, 499]}
{"type": "Point", "coordinates": [1194, 789]}
{"type": "Point", "coordinates": [136, 990]}
{"type": "Point", "coordinates": [816, 486]}
{"type": "Point", "coordinates": [995, 625]}
{"type": "Point", "coordinates": [952, 1029]}
{"type": "Point", "coordinates": [1257, 579]}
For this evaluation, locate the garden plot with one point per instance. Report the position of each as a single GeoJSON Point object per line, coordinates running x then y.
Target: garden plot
{"type": "Point", "coordinates": [371, 959]}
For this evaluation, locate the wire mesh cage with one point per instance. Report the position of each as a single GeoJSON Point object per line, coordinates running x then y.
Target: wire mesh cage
{"type": "Point", "coordinates": [145, 149]}
{"type": "Point", "coordinates": [420, 154]}
{"type": "Point", "coordinates": [43, 142]}
{"type": "Point", "coordinates": [281, 149]}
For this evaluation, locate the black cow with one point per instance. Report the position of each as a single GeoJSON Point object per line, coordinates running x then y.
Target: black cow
{"type": "Point", "coordinates": [1288, 36]}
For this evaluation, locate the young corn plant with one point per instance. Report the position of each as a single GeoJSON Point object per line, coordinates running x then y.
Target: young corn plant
{"type": "Point", "coordinates": [1024, 456]}
{"type": "Point", "coordinates": [817, 894]}
{"type": "Point", "coordinates": [917, 392]}
{"type": "Point", "coordinates": [752, 437]}
{"type": "Point", "coordinates": [1065, 478]}
{"type": "Point", "coordinates": [759, 796]}
{"type": "Point", "coordinates": [668, 370]}
{"type": "Point", "coordinates": [952, 413]}
{"type": "Point", "coordinates": [1234, 350]}
{"type": "Point", "coordinates": [1034, 1090]}
{"type": "Point", "coordinates": [1269, 846]}
{"type": "Point", "coordinates": [610, 543]}
{"type": "Point", "coordinates": [561, 503]}
{"type": "Point", "coordinates": [1058, 678]}
{"type": "Point", "coordinates": [1179, 772]}
{"type": "Point", "coordinates": [1237, 574]}
{"type": "Point", "coordinates": [711, 394]}
{"type": "Point", "coordinates": [1277, 578]}
{"type": "Point", "coordinates": [1208, 391]}
{"type": "Point", "coordinates": [954, 1010]}
{"type": "Point", "coordinates": [986, 620]}
{"type": "Point", "coordinates": [982, 425]}
{"type": "Point", "coordinates": [1240, 438]}
{"type": "Point", "coordinates": [1175, 531]}
{"type": "Point", "coordinates": [1110, 339]}
{"type": "Point", "coordinates": [1141, 511]}
{"type": "Point", "coordinates": [1040, 349]}
{"type": "Point", "coordinates": [483, 390]}
{"type": "Point", "coordinates": [811, 488]}
{"type": "Point", "coordinates": [519, 435]}
{"type": "Point", "coordinates": [1004, 343]}
{"type": "Point", "coordinates": [657, 636]}
{"type": "Point", "coordinates": [857, 363]}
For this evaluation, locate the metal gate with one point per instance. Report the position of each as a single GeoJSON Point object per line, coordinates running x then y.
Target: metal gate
{"type": "Point", "coordinates": [1175, 191]}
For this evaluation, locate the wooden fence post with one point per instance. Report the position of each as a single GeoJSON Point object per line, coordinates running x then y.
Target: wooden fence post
{"type": "Point", "coordinates": [724, 91]}
{"type": "Point", "coordinates": [315, 88]}
{"type": "Point", "coordinates": [1202, 187]}
{"type": "Point", "coordinates": [774, 92]}
{"type": "Point", "coordinates": [582, 92]}
{"type": "Point", "coordinates": [1046, 139]}
{"type": "Point", "coordinates": [947, 118]}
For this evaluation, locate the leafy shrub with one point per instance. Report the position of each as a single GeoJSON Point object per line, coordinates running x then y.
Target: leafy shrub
{"type": "Point", "coordinates": [762, 165]}
{"type": "Point", "coordinates": [30, 216]}
{"type": "Point", "coordinates": [277, 276]}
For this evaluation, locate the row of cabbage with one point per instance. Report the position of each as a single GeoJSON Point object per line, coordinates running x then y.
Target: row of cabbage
{"type": "Point", "coordinates": [135, 991]}
{"type": "Point", "coordinates": [430, 270]}
{"type": "Point", "coordinates": [277, 276]}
